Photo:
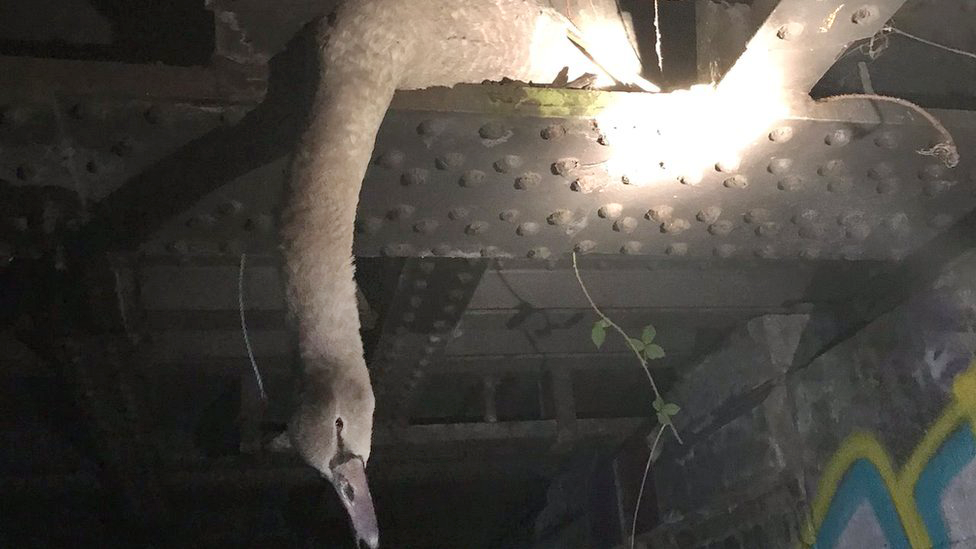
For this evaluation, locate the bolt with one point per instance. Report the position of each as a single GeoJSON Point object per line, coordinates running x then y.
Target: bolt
{"type": "Point", "coordinates": [391, 159]}
{"type": "Point", "coordinates": [709, 215]}
{"type": "Point", "coordinates": [560, 217]}
{"type": "Point", "coordinates": [675, 226]}
{"type": "Point", "coordinates": [415, 176]}
{"type": "Point", "coordinates": [527, 229]}
{"type": "Point", "coordinates": [728, 165]}
{"type": "Point", "coordinates": [677, 249]}
{"type": "Point", "coordinates": [864, 15]}
{"type": "Point", "coordinates": [508, 163]}
{"type": "Point", "coordinates": [450, 161]}
{"type": "Point", "coordinates": [736, 182]}
{"type": "Point", "coordinates": [781, 134]}
{"type": "Point", "coordinates": [458, 213]}
{"type": "Point", "coordinates": [790, 31]}
{"type": "Point", "coordinates": [610, 211]}
{"type": "Point", "coordinates": [768, 229]}
{"type": "Point", "coordinates": [476, 228]}
{"type": "Point", "coordinates": [660, 213]}
{"type": "Point", "coordinates": [692, 180]}
{"type": "Point", "coordinates": [539, 253]}
{"type": "Point", "coordinates": [838, 138]}
{"type": "Point", "coordinates": [626, 225]}
{"type": "Point", "coordinates": [554, 131]}
{"type": "Point", "coordinates": [565, 167]}
{"type": "Point", "coordinates": [492, 131]}
{"type": "Point", "coordinates": [790, 183]}
{"type": "Point", "coordinates": [780, 166]}
{"type": "Point", "coordinates": [832, 167]}
{"type": "Point", "coordinates": [527, 180]}
{"type": "Point", "coordinates": [631, 247]}
{"type": "Point", "coordinates": [425, 226]}
{"type": "Point", "coordinates": [721, 228]}
{"type": "Point", "coordinates": [472, 178]}
{"type": "Point", "coordinates": [400, 212]}
{"type": "Point", "coordinates": [510, 216]}
{"type": "Point", "coordinates": [887, 140]}
{"type": "Point", "coordinates": [756, 215]}
{"type": "Point", "coordinates": [584, 246]}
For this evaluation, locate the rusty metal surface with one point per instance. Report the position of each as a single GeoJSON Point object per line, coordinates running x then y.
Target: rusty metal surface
{"type": "Point", "coordinates": [843, 183]}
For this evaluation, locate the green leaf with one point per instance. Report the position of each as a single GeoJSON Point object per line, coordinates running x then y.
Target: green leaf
{"type": "Point", "coordinates": [659, 404]}
{"type": "Point", "coordinates": [670, 409]}
{"type": "Point", "coordinates": [654, 352]}
{"type": "Point", "coordinates": [637, 344]}
{"type": "Point", "coordinates": [598, 334]}
{"type": "Point", "coordinates": [663, 419]}
{"type": "Point", "coordinates": [649, 334]}
{"type": "Point", "coordinates": [604, 323]}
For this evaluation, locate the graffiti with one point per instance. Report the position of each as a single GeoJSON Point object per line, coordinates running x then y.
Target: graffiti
{"type": "Point", "coordinates": [908, 504]}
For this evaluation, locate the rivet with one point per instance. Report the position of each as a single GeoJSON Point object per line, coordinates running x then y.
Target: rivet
{"type": "Point", "coordinates": [508, 163]}
{"type": "Point", "coordinates": [369, 225]}
{"type": "Point", "coordinates": [806, 217]}
{"type": "Point", "coordinates": [790, 183]}
{"type": "Point", "coordinates": [493, 131]}
{"type": "Point", "coordinates": [492, 252]}
{"type": "Point", "coordinates": [886, 140]}
{"type": "Point", "coordinates": [692, 180]}
{"type": "Point", "coordinates": [678, 249]}
{"type": "Point", "coordinates": [724, 251]}
{"type": "Point", "coordinates": [781, 134]}
{"type": "Point", "coordinates": [812, 231]}
{"type": "Point", "coordinates": [476, 228]}
{"type": "Point", "coordinates": [736, 182]}
{"type": "Point", "coordinates": [660, 213]}
{"type": "Point", "coordinates": [455, 295]}
{"type": "Point", "coordinates": [398, 250]}
{"type": "Point", "coordinates": [450, 161]}
{"type": "Point", "coordinates": [416, 301]}
{"type": "Point", "coordinates": [510, 216]}
{"type": "Point", "coordinates": [554, 131]}
{"type": "Point", "coordinates": [709, 215]}
{"type": "Point", "coordinates": [728, 165]}
{"type": "Point", "coordinates": [432, 127]}
{"type": "Point", "coordinates": [425, 226]}
{"type": "Point", "coordinates": [840, 185]}
{"type": "Point", "coordinates": [899, 224]}
{"type": "Point", "coordinates": [625, 225]}
{"type": "Point", "coordinates": [832, 168]}
{"type": "Point", "coordinates": [864, 15]}
{"type": "Point", "coordinates": [850, 218]}
{"type": "Point", "coordinates": [631, 247]}
{"type": "Point", "coordinates": [675, 226]}
{"type": "Point", "coordinates": [790, 31]}
{"type": "Point", "coordinates": [882, 170]}
{"type": "Point", "coordinates": [780, 166]}
{"type": "Point", "coordinates": [539, 253]}
{"type": "Point", "coordinates": [527, 228]}
{"type": "Point", "coordinates": [838, 138]}
{"type": "Point", "coordinates": [940, 221]}
{"type": "Point", "coordinates": [527, 180]}
{"type": "Point", "coordinates": [415, 176]}
{"type": "Point", "coordinates": [721, 228]}
{"type": "Point", "coordinates": [465, 278]}
{"type": "Point", "coordinates": [408, 317]}
{"type": "Point", "coordinates": [584, 246]}
{"type": "Point", "coordinates": [935, 188]}
{"type": "Point", "coordinates": [391, 159]}
{"type": "Point", "coordinates": [565, 167]}
{"type": "Point", "coordinates": [768, 229]}
{"type": "Point", "coordinates": [441, 250]}
{"type": "Point", "coordinates": [560, 217]}
{"type": "Point", "coordinates": [767, 252]}
{"type": "Point", "coordinates": [449, 309]}
{"type": "Point", "coordinates": [810, 252]}
{"type": "Point", "coordinates": [756, 215]}
{"type": "Point", "coordinates": [610, 211]}
{"type": "Point", "coordinates": [888, 186]}
{"type": "Point", "coordinates": [458, 213]}
{"type": "Point", "coordinates": [603, 139]}
{"type": "Point", "coordinates": [400, 212]}
{"type": "Point", "coordinates": [588, 183]}
{"type": "Point", "coordinates": [440, 325]}
{"type": "Point", "coordinates": [472, 178]}
{"type": "Point", "coordinates": [420, 284]}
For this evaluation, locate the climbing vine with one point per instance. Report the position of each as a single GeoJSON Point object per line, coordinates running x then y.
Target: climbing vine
{"type": "Point", "coordinates": [645, 349]}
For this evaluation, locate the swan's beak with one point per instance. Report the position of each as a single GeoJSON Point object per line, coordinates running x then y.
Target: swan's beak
{"type": "Point", "coordinates": [349, 479]}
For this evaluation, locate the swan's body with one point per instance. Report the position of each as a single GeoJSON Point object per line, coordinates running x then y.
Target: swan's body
{"type": "Point", "coordinates": [373, 48]}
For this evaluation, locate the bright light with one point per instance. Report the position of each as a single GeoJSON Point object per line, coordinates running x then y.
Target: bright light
{"type": "Point", "coordinates": [681, 135]}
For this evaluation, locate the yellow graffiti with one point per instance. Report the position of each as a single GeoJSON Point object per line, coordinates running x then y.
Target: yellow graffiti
{"type": "Point", "coordinates": [900, 485]}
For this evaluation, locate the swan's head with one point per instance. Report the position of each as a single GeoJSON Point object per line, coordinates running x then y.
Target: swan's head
{"type": "Point", "coordinates": [332, 430]}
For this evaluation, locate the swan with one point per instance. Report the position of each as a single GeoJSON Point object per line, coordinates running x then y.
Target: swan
{"type": "Point", "coordinates": [367, 50]}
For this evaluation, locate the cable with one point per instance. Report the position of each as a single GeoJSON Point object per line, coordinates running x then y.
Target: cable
{"type": "Point", "coordinates": [247, 340]}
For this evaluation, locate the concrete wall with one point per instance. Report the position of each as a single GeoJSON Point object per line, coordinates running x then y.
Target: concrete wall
{"type": "Point", "coordinates": [872, 444]}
